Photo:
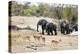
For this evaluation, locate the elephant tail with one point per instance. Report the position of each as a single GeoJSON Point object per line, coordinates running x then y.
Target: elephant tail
{"type": "Point", "coordinates": [37, 27]}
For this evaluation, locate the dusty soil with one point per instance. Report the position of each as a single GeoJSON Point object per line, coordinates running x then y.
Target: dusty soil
{"type": "Point", "coordinates": [32, 41]}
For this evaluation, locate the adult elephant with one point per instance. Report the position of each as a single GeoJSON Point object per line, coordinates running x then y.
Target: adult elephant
{"type": "Point", "coordinates": [50, 27]}
{"type": "Point", "coordinates": [71, 27]}
{"type": "Point", "coordinates": [66, 27]}
{"type": "Point", "coordinates": [62, 26]}
{"type": "Point", "coordinates": [42, 23]}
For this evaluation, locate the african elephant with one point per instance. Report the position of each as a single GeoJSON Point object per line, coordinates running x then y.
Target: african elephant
{"type": "Point", "coordinates": [66, 27]}
{"type": "Point", "coordinates": [50, 27]}
{"type": "Point", "coordinates": [42, 23]}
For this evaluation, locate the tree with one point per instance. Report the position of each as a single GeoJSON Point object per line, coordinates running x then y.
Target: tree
{"type": "Point", "coordinates": [59, 11]}
{"type": "Point", "coordinates": [70, 13]}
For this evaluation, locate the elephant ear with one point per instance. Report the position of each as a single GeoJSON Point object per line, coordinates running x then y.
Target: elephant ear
{"type": "Point", "coordinates": [64, 24]}
{"type": "Point", "coordinates": [70, 26]}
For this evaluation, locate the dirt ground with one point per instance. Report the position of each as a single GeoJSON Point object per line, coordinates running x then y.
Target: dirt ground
{"type": "Point", "coordinates": [32, 41]}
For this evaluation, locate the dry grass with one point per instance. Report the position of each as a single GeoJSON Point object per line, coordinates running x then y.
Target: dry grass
{"type": "Point", "coordinates": [34, 41]}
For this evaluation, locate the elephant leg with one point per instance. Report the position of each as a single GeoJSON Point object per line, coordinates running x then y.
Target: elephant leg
{"type": "Point", "coordinates": [48, 32]}
{"type": "Point", "coordinates": [55, 31]}
{"type": "Point", "coordinates": [67, 31]}
{"type": "Point", "coordinates": [43, 30]}
{"type": "Point", "coordinates": [51, 32]}
{"type": "Point", "coordinates": [61, 30]}
{"type": "Point", "coordinates": [64, 31]}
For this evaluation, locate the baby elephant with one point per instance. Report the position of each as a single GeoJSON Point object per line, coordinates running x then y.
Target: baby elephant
{"type": "Point", "coordinates": [50, 27]}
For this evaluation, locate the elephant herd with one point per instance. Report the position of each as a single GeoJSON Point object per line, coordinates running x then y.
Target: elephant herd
{"type": "Point", "coordinates": [49, 27]}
